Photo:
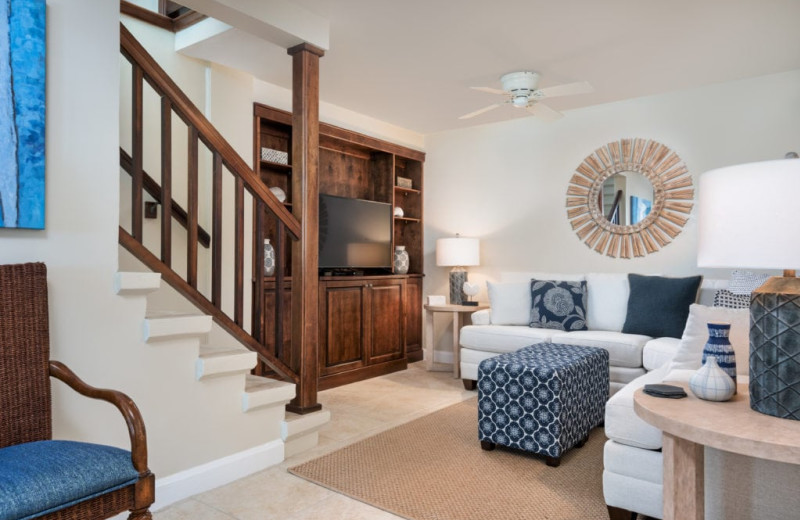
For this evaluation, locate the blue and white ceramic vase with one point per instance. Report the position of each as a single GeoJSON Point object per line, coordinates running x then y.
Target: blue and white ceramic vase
{"type": "Point", "coordinates": [401, 262]}
{"type": "Point", "coordinates": [719, 346]}
{"type": "Point", "coordinates": [269, 258]}
{"type": "Point", "coordinates": [711, 383]}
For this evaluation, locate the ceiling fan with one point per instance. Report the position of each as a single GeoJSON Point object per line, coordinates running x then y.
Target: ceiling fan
{"type": "Point", "coordinates": [521, 92]}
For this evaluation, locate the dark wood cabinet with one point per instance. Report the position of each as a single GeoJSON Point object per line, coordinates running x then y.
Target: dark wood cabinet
{"type": "Point", "coordinates": [362, 328]}
{"type": "Point", "coordinates": [414, 318]}
{"type": "Point", "coordinates": [369, 325]}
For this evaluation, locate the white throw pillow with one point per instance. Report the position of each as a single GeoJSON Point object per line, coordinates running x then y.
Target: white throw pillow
{"type": "Point", "coordinates": [510, 302]}
{"type": "Point", "coordinates": [607, 304]}
{"type": "Point", "coordinates": [695, 335]}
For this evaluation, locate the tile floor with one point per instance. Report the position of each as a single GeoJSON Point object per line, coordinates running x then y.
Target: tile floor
{"type": "Point", "coordinates": [357, 411]}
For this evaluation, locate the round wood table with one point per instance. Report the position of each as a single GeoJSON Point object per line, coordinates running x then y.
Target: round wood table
{"type": "Point", "coordinates": [690, 424]}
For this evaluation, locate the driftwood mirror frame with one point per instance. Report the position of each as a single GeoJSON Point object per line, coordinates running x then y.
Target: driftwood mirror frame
{"type": "Point", "coordinates": [672, 198]}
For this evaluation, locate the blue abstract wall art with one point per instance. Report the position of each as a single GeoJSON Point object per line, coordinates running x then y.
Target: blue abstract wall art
{"type": "Point", "coordinates": [22, 116]}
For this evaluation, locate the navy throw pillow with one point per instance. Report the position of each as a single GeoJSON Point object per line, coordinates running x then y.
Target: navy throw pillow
{"type": "Point", "coordinates": [558, 305]}
{"type": "Point", "coordinates": [659, 306]}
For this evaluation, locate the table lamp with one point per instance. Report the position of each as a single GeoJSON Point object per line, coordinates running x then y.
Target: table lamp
{"type": "Point", "coordinates": [458, 253]}
{"type": "Point", "coordinates": [748, 218]}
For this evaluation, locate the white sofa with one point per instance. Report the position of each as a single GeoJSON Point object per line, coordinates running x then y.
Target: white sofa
{"type": "Point", "coordinates": [630, 355]}
{"type": "Point", "coordinates": [737, 487]}
{"type": "Point", "coordinates": [632, 477]}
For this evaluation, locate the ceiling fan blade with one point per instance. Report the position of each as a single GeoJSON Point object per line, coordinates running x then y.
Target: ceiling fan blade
{"type": "Point", "coordinates": [481, 111]}
{"type": "Point", "coordinates": [568, 89]}
{"type": "Point", "coordinates": [490, 90]}
{"type": "Point", "coordinates": [545, 113]}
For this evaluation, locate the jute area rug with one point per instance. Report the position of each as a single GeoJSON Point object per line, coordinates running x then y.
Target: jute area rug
{"type": "Point", "coordinates": [433, 468]}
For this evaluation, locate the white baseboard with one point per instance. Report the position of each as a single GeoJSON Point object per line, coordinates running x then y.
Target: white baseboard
{"type": "Point", "coordinates": [216, 473]}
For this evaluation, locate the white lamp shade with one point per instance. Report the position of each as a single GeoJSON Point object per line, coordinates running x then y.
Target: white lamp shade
{"type": "Point", "coordinates": [458, 251]}
{"type": "Point", "coordinates": [748, 216]}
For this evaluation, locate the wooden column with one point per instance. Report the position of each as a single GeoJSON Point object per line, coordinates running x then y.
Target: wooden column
{"type": "Point", "coordinates": [305, 206]}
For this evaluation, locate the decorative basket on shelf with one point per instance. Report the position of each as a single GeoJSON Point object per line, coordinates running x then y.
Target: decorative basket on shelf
{"type": "Point", "coordinates": [276, 156]}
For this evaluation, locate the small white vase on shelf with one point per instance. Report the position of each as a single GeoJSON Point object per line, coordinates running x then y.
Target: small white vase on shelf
{"type": "Point", "coordinates": [269, 258]}
{"type": "Point", "coordinates": [711, 383]}
{"type": "Point", "coordinates": [401, 262]}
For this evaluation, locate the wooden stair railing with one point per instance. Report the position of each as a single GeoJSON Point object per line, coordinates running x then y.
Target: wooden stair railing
{"type": "Point", "coordinates": [245, 180]}
{"type": "Point", "coordinates": [152, 187]}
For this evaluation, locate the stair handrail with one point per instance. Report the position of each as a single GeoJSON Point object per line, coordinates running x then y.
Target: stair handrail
{"type": "Point", "coordinates": [173, 99]}
{"type": "Point", "coordinates": [192, 116]}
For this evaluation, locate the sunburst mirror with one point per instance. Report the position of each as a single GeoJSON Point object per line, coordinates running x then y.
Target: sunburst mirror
{"type": "Point", "coordinates": [630, 198]}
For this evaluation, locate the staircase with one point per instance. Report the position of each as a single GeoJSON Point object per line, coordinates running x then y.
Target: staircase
{"type": "Point", "coordinates": [218, 356]}
{"type": "Point", "coordinates": [199, 313]}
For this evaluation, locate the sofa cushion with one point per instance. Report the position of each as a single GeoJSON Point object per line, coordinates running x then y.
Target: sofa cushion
{"type": "Point", "coordinates": [510, 303]}
{"type": "Point", "coordinates": [558, 305]}
{"type": "Point", "coordinates": [658, 306]}
{"type": "Point", "coordinates": [622, 423]}
{"type": "Point", "coordinates": [481, 317]}
{"type": "Point", "coordinates": [47, 476]}
{"type": "Point", "coordinates": [658, 352]}
{"type": "Point", "coordinates": [501, 338]}
{"type": "Point", "coordinates": [624, 375]}
{"type": "Point", "coordinates": [690, 351]}
{"type": "Point", "coordinates": [624, 350]}
{"type": "Point", "coordinates": [607, 300]}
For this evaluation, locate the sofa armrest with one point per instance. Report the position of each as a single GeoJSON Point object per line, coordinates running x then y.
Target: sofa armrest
{"type": "Point", "coordinates": [482, 317]}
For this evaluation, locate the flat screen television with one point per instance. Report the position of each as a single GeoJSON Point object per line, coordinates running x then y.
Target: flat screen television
{"type": "Point", "coordinates": [354, 233]}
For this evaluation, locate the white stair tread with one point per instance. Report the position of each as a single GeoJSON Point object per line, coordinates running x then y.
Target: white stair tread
{"type": "Point", "coordinates": [215, 361]}
{"type": "Point", "coordinates": [166, 325]}
{"type": "Point", "coordinates": [128, 282]}
{"type": "Point", "coordinates": [296, 425]}
{"type": "Point", "coordinates": [261, 391]}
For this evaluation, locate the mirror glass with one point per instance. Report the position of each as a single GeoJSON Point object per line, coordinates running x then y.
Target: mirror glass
{"type": "Point", "coordinates": [626, 198]}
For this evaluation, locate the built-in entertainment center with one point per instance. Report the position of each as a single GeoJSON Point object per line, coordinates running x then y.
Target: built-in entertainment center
{"type": "Point", "coordinates": [370, 317]}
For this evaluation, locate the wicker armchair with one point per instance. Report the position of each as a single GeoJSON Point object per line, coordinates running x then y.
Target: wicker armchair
{"type": "Point", "coordinates": [41, 477]}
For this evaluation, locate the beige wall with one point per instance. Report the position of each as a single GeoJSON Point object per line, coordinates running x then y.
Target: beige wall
{"type": "Point", "coordinates": [95, 331]}
{"type": "Point", "coordinates": [506, 183]}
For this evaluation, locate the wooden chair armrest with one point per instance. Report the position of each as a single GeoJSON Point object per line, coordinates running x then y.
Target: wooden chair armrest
{"type": "Point", "coordinates": [125, 404]}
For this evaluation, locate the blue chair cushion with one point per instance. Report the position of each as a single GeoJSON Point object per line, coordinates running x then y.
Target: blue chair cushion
{"type": "Point", "coordinates": [45, 476]}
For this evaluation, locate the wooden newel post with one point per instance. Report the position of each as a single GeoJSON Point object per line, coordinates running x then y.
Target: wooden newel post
{"type": "Point", "coordinates": [305, 206]}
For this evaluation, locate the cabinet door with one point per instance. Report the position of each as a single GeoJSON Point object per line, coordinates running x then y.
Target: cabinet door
{"type": "Point", "coordinates": [386, 320]}
{"type": "Point", "coordinates": [414, 319]}
{"type": "Point", "coordinates": [342, 337]}
{"type": "Point", "coordinates": [270, 323]}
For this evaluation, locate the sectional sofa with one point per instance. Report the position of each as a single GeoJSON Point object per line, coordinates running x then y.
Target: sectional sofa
{"type": "Point", "coordinates": [632, 478]}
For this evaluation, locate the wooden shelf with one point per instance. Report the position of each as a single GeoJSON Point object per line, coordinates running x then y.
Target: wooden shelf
{"type": "Point", "coordinates": [408, 219]}
{"type": "Point", "coordinates": [407, 190]}
{"type": "Point", "coordinates": [287, 168]}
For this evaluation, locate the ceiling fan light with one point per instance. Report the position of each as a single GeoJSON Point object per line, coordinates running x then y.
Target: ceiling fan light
{"type": "Point", "coordinates": [520, 101]}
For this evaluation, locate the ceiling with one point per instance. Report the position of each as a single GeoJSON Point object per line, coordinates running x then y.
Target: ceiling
{"type": "Point", "coordinates": [411, 62]}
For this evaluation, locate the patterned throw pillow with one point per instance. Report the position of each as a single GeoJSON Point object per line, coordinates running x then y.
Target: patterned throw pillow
{"type": "Point", "coordinates": [725, 298]}
{"type": "Point", "coordinates": [745, 282]}
{"type": "Point", "coordinates": [558, 305]}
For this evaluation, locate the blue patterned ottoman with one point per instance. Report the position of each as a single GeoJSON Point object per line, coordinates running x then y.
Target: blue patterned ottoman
{"type": "Point", "coordinates": [544, 398]}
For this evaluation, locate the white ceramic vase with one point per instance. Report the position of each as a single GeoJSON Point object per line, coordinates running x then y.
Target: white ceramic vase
{"type": "Point", "coordinates": [269, 258]}
{"type": "Point", "coordinates": [401, 262]}
{"type": "Point", "coordinates": [711, 383]}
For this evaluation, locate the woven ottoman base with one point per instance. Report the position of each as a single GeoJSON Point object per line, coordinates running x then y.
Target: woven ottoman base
{"type": "Point", "coordinates": [543, 399]}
